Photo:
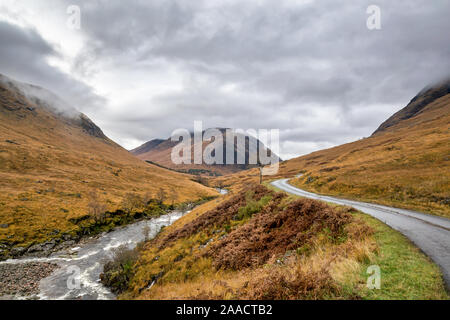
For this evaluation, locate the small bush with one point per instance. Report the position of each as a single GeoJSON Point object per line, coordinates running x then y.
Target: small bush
{"type": "Point", "coordinates": [132, 202]}
{"type": "Point", "coordinates": [97, 210]}
{"type": "Point", "coordinates": [292, 282]}
{"type": "Point", "coordinates": [118, 272]}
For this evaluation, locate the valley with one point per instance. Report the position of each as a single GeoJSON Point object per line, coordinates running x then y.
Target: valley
{"type": "Point", "coordinates": [73, 198]}
{"type": "Point", "coordinates": [58, 170]}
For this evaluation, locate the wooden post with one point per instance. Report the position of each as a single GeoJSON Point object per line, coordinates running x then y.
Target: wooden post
{"type": "Point", "coordinates": [260, 175]}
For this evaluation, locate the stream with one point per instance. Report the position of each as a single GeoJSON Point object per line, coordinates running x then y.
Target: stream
{"type": "Point", "coordinates": [79, 268]}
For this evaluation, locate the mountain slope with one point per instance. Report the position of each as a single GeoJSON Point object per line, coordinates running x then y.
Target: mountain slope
{"type": "Point", "coordinates": [148, 146]}
{"type": "Point", "coordinates": [406, 163]}
{"type": "Point", "coordinates": [417, 105]}
{"type": "Point", "coordinates": [52, 157]}
{"type": "Point", "coordinates": [159, 151]}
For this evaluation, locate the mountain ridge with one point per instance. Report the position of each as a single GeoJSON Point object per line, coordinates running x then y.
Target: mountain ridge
{"type": "Point", "coordinates": [417, 104]}
{"type": "Point", "coordinates": [159, 151]}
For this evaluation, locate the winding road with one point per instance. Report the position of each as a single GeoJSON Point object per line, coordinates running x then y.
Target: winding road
{"type": "Point", "coordinates": [430, 233]}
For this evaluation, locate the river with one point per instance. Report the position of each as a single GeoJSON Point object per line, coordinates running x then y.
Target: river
{"type": "Point", "coordinates": [78, 275]}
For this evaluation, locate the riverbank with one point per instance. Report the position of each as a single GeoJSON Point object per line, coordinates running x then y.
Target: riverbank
{"type": "Point", "coordinates": [47, 277]}
{"type": "Point", "coordinates": [86, 227]}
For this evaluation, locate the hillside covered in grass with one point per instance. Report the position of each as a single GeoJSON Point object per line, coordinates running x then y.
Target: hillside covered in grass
{"type": "Point", "coordinates": [406, 163]}
{"type": "Point", "coordinates": [54, 161]}
{"type": "Point", "coordinates": [261, 244]}
{"type": "Point", "coordinates": [159, 151]}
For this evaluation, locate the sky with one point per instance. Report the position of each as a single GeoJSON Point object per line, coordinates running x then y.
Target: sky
{"type": "Point", "coordinates": [312, 69]}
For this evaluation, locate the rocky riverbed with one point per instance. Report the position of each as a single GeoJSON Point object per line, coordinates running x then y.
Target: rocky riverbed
{"type": "Point", "coordinates": [47, 277]}
{"type": "Point", "coordinates": [23, 279]}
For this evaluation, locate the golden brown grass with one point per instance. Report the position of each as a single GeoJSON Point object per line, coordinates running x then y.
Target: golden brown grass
{"type": "Point", "coordinates": [406, 166]}
{"type": "Point", "coordinates": [49, 166]}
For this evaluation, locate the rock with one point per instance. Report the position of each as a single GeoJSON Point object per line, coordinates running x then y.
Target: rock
{"type": "Point", "coordinates": [66, 236]}
{"type": "Point", "coordinates": [49, 245]}
{"type": "Point", "coordinates": [35, 248]}
{"type": "Point", "coordinates": [157, 276]}
{"type": "Point", "coordinates": [69, 243]}
{"type": "Point", "coordinates": [18, 251]}
{"type": "Point", "coordinates": [4, 225]}
{"type": "Point", "coordinates": [23, 279]}
{"type": "Point", "coordinates": [42, 247]}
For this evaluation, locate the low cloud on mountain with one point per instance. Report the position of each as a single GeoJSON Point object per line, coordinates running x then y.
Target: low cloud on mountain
{"type": "Point", "coordinates": [310, 68]}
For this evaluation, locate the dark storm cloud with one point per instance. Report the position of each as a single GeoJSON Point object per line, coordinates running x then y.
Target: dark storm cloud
{"type": "Point", "coordinates": [23, 57]}
{"type": "Point", "coordinates": [310, 68]}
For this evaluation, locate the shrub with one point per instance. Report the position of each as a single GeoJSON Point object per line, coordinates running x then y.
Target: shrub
{"type": "Point", "coordinates": [131, 202]}
{"type": "Point", "coordinates": [271, 233]}
{"type": "Point", "coordinates": [291, 282]}
{"type": "Point", "coordinates": [118, 272]}
{"type": "Point", "coordinates": [252, 207]}
{"type": "Point", "coordinates": [161, 196]}
{"type": "Point", "coordinates": [97, 210]}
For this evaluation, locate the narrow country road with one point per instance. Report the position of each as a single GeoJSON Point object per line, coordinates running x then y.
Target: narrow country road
{"type": "Point", "coordinates": [430, 233]}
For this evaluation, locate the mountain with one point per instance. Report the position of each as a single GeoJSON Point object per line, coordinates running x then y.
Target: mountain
{"type": "Point", "coordinates": [405, 163]}
{"type": "Point", "coordinates": [417, 105]}
{"type": "Point", "coordinates": [159, 151]}
{"type": "Point", "coordinates": [52, 157]}
{"type": "Point", "coordinates": [148, 146]}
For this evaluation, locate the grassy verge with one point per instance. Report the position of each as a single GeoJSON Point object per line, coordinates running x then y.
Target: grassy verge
{"type": "Point", "coordinates": [406, 273]}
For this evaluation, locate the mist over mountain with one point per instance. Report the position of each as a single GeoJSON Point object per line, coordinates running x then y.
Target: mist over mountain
{"type": "Point", "coordinates": [52, 158]}
{"type": "Point", "coordinates": [417, 105]}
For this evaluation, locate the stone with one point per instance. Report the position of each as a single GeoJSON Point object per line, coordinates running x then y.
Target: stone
{"type": "Point", "coordinates": [18, 251]}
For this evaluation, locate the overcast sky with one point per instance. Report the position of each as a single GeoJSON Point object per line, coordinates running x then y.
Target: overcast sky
{"type": "Point", "coordinates": [312, 69]}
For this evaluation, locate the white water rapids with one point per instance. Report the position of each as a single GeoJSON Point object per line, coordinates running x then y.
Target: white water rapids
{"type": "Point", "coordinates": [89, 259]}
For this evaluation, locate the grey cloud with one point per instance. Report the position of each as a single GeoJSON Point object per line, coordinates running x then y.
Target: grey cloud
{"type": "Point", "coordinates": [23, 57]}
{"type": "Point", "coordinates": [313, 70]}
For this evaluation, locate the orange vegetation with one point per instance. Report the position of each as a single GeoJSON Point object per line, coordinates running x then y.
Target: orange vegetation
{"type": "Point", "coordinates": [50, 163]}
